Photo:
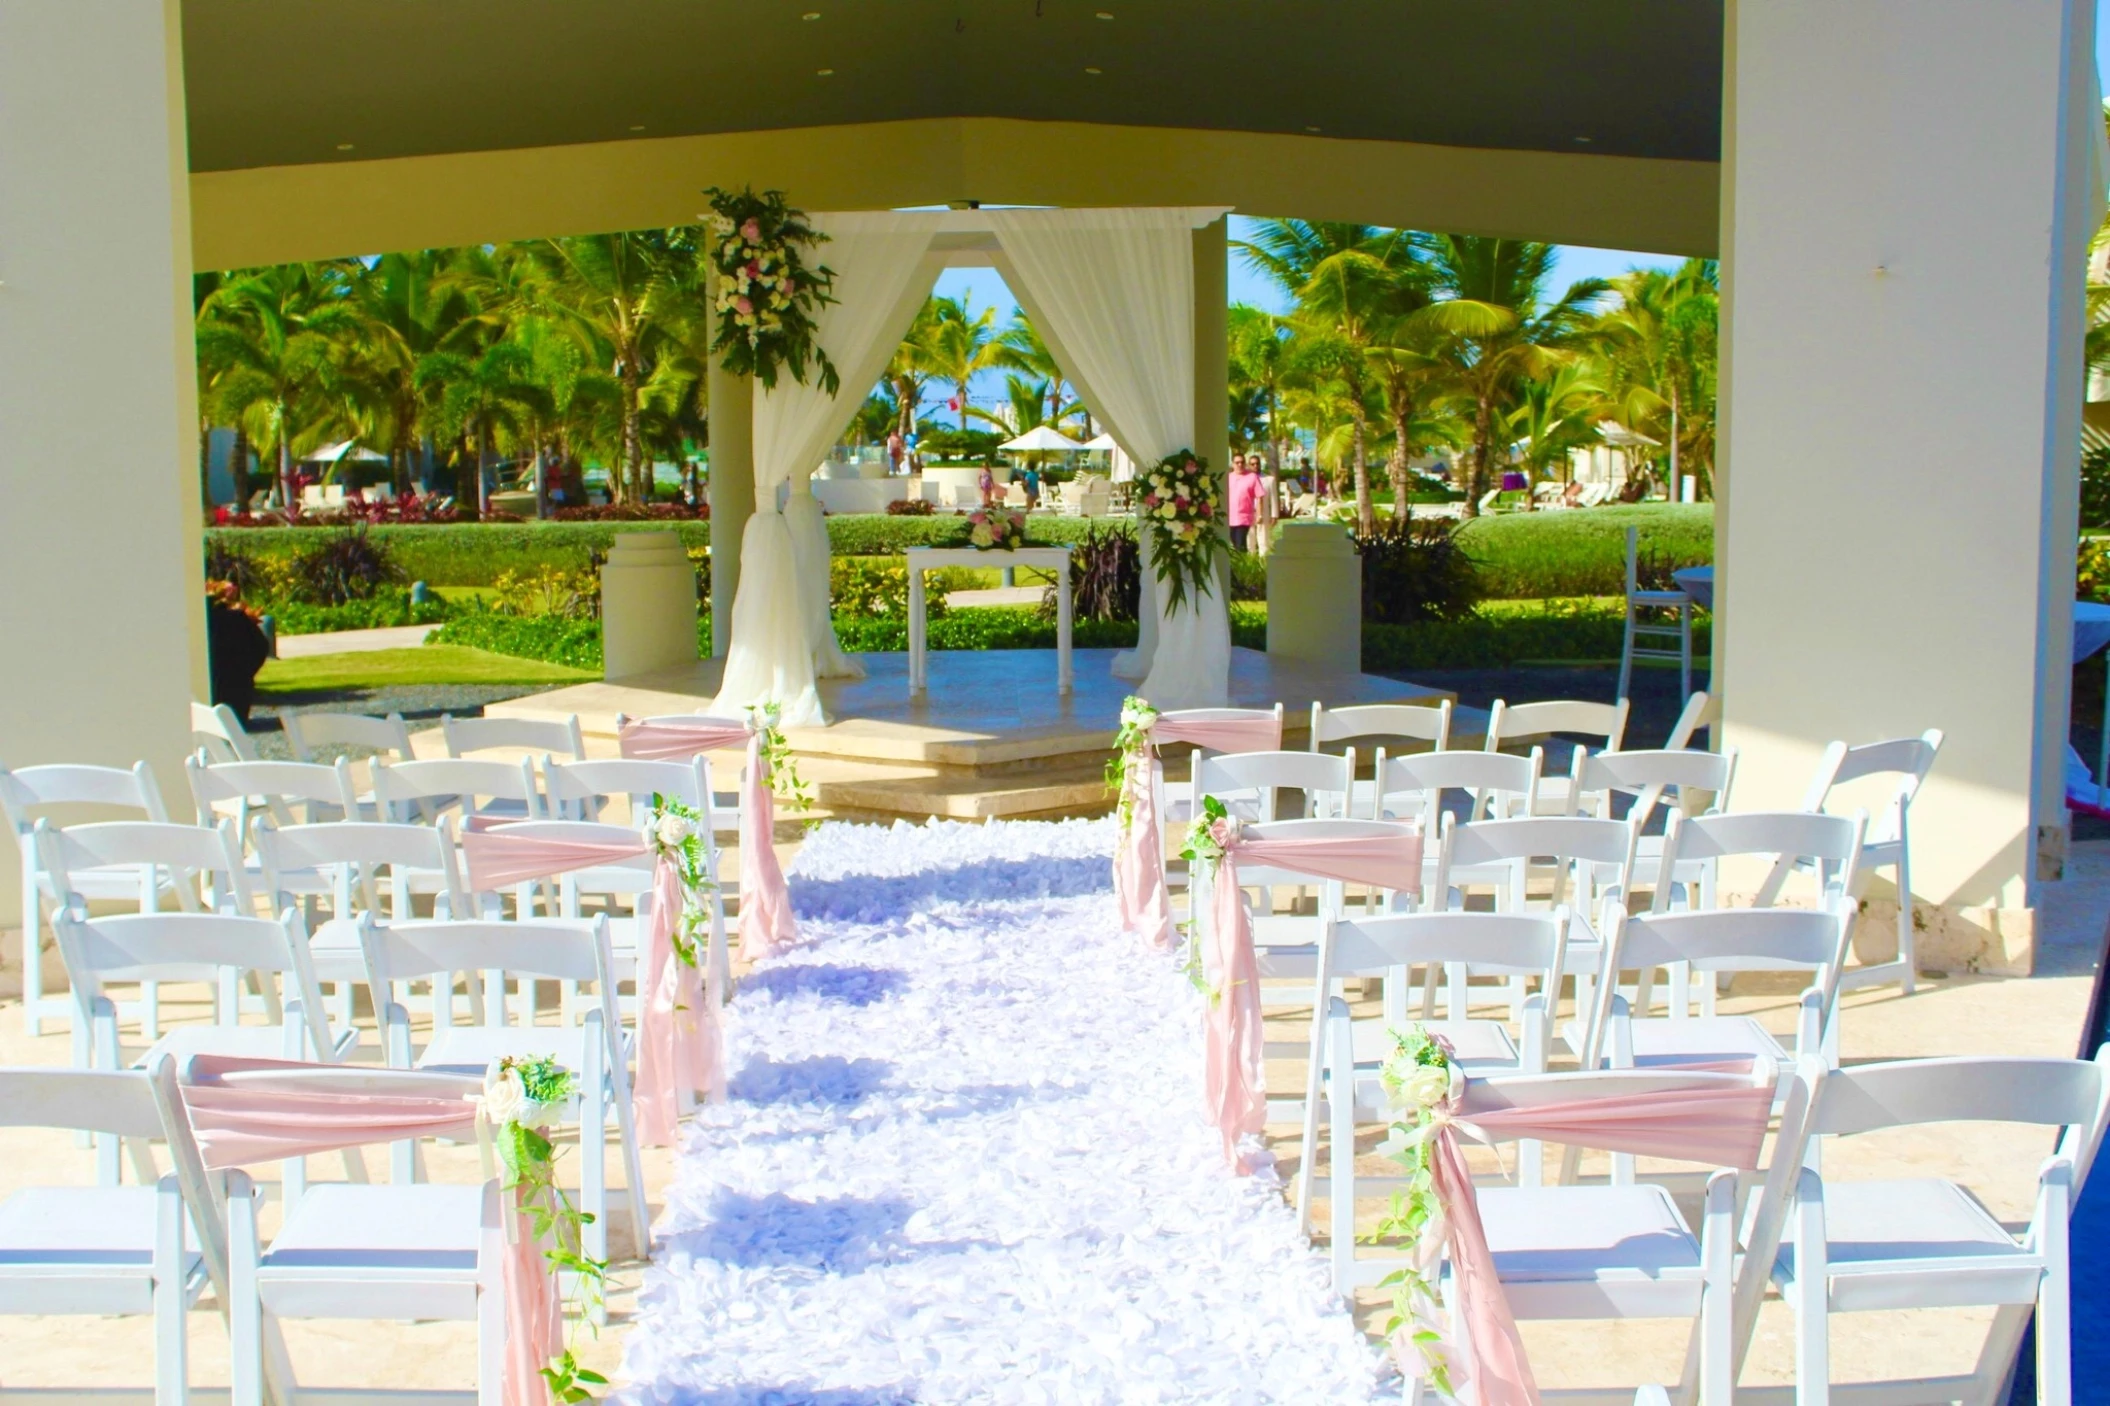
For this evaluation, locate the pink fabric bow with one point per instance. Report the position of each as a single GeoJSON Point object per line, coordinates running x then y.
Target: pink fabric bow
{"type": "Point", "coordinates": [680, 1045]}
{"type": "Point", "coordinates": [1724, 1126]}
{"type": "Point", "coordinates": [1139, 854]}
{"type": "Point", "coordinates": [1235, 1086]}
{"type": "Point", "coordinates": [766, 924]}
{"type": "Point", "coordinates": [254, 1120]}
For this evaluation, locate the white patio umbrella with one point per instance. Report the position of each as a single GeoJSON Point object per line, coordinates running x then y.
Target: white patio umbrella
{"type": "Point", "coordinates": [1043, 438]}
{"type": "Point", "coordinates": [1102, 442]}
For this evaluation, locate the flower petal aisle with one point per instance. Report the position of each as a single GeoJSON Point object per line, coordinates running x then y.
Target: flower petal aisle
{"type": "Point", "coordinates": [964, 1159]}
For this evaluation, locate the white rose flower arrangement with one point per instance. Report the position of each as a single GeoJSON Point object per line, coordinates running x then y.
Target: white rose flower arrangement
{"type": "Point", "coordinates": [1424, 1082]}
{"type": "Point", "coordinates": [1131, 750]}
{"type": "Point", "coordinates": [1180, 507]}
{"type": "Point", "coordinates": [674, 832]}
{"type": "Point", "coordinates": [767, 294]}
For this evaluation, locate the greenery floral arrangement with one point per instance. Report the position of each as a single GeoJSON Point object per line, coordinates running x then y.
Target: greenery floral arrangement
{"type": "Point", "coordinates": [1422, 1078]}
{"type": "Point", "coordinates": [992, 528]}
{"type": "Point", "coordinates": [784, 779]}
{"type": "Point", "coordinates": [767, 294]}
{"type": "Point", "coordinates": [674, 832]}
{"type": "Point", "coordinates": [522, 1097]}
{"type": "Point", "coordinates": [1131, 750]}
{"type": "Point", "coordinates": [1179, 508]}
{"type": "Point", "coordinates": [1209, 833]}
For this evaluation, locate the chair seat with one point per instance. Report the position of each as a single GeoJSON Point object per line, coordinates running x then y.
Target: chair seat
{"type": "Point", "coordinates": [1671, 599]}
{"type": "Point", "coordinates": [400, 1252]}
{"type": "Point", "coordinates": [1918, 1243]}
{"type": "Point", "coordinates": [83, 1249]}
{"type": "Point", "coordinates": [247, 1041]}
{"type": "Point", "coordinates": [1703, 1040]}
{"type": "Point", "coordinates": [1592, 1251]}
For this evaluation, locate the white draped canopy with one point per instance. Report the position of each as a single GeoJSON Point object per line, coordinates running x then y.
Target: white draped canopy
{"type": "Point", "coordinates": [1112, 293]}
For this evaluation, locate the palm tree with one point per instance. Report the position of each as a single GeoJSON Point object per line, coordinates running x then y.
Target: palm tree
{"type": "Point", "coordinates": [411, 308]}
{"type": "Point", "coordinates": [958, 343]}
{"type": "Point", "coordinates": [1020, 349]}
{"type": "Point", "coordinates": [1260, 367]}
{"type": "Point", "coordinates": [1659, 349]}
{"type": "Point", "coordinates": [480, 399]}
{"type": "Point", "coordinates": [1554, 414]}
{"type": "Point", "coordinates": [1352, 298]}
{"type": "Point", "coordinates": [1497, 331]}
{"type": "Point", "coordinates": [1289, 252]}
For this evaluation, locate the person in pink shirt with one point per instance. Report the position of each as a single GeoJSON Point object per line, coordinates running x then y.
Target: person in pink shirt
{"type": "Point", "coordinates": [1245, 499]}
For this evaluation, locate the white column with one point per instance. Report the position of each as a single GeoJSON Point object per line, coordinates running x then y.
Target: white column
{"type": "Point", "coordinates": [1904, 223]}
{"type": "Point", "coordinates": [101, 578]}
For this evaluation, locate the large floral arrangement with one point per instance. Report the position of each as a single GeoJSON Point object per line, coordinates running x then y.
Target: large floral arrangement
{"type": "Point", "coordinates": [1125, 769]}
{"type": "Point", "coordinates": [767, 294]}
{"type": "Point", "coordinates": [674, 832]}
{"type": "Point", "coordinates": [522, 1097]}
{"type": "Point", "coordinates": [1422, 1078]}
{"type": "Point", "coordinates": [991, 528]}
{"type": "Point", "coordinates": [1180, 505]}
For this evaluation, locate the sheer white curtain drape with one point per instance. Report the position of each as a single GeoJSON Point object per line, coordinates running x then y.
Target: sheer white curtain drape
{"type": "Point", "coordinates": [781, 640]}
{"type": "Point", "coordinates": [1113, 292]}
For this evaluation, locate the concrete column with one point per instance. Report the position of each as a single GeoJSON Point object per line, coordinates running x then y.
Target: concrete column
{"type": "Point", "coordinates": [732, 492]}
{"type": "Point", "coordinates": [101, 580]}
{"type": "Point", "coordinates": [1212, 356]}
{"type": "Point", "coordinates": [1905, 213]}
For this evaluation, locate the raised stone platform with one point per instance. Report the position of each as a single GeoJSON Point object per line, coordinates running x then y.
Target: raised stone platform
{"type": "Point", "coordinates": [991, 737]}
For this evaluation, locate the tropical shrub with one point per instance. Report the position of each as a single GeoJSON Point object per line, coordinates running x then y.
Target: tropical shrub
{"type": "Point", "coordinates": [911, 507]}
{"type": "Point", "coordinates": [1248, 576]}
{"type": "Point", "coordinates": [862, 588]}
{"type": "Point", "coordinates": [2095, 486]}
{"type": "Point", "coordinates": [664, 511]}
{"type": "Point", "coordinates": [344, 566]}
{"type": "Point", "coordinates": [1503, 633]}
{"type": "Point", "coordinates": [467, 554]}
{"type": "Point", "coordinates": [551, 638]}
{"type": "Point", "coordinates": [1106, 578]}
{"type": "Point", "coordinates": [1582, 551]}
{"type": "Point", "coordinates": [1416, 573]}
{"type": "Point", "coordinates": [391, 608]}
{"type": "Point", "coordinates": [2091, 570]}
{"type": "Point", "coordinates": [548, 590]}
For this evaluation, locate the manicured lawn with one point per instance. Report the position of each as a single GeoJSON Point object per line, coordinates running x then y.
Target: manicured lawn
{"type": "Point", "coordinates": [429, 664]}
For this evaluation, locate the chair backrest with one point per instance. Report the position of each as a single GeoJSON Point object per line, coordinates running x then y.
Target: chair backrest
{"type": "Point", "coordinates": [184, 850]}
{"type": "Point", "coordinates": [1833, 842]}
{"type": "Point", "coordinates": [1810, 940]}
{"type": "Point", "coordinates": [1633, 559]}
{"type": "Point", "coordinates": [548, 735]}
{"type": "Point", "coordinates": [1250, 874]}
{"type": "Point", "coordinates": [549, 949]}
{"type": "Point", "coordinates": [401, 786]}
{"type": "Point", "coordinates": [355, 849]}
{"type": "Point", "coordinates": [1701, 710]}
{"type": "Point", "coordinates": [273, 787]}
{"type": "Point", "coordinates": [1324, 778]}
{"type": "Point", "coordinates": [1495, 779]}
{"type": "Point", "coordinates": [24, 792]}
{"type": "Point", "coordinates": [215, 727]}
{"type": "Point", "coordinates": [389, 736]}
{"type": "Point", "coordinates": [1409, 721]}
{"type": "Point", "coordinates": [1582, 848]}
{"type": "Point", "coordinates": [1212, 715]}
{"type": "Point", "coordinates": [141, 1104]}
{"type": "Point", "coordinates": [1506, 943]}
{"type": "Point", "coordinates": [1646, 775]}
{"type": "Point", "coordinates": [1509, 724]}
{"type": "Point", "coordinates": [620, 875]}
{"type": "Point", "coordinates": [1908, 759]}
{"type": "Point", "coordinates": [580, 789]}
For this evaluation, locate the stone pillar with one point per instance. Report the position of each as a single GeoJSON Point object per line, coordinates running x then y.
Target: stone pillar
{"type": "Point", "coordinates": [1314, 584]}
{"type": "Point", "coordinates": [1905, 211]}
{"type": "Point", "coordinates": [732, 493]}
{"type": "Point", "coordinates": [1212, 357]}
{"type": "Point", "coordinates": [648, 605]}
{"type": "Point", "coordinates": [104, 630]}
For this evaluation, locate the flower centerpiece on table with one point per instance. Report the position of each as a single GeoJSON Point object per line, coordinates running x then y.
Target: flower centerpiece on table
{"type": "Point", "coordinates": [1423, 1081]}
{"type": "Point", "coordinates": [1180, 506]}
{"type": "Point", "coordinates": [768, 295]}
{"type": "Point", "coordinates": [991, 528]}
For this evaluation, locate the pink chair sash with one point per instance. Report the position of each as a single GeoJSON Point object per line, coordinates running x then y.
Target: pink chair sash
{"type": "Point", "coordinates": [1721, 1126]}
{"type": "Point", "coordinates": [1139, 854]}
{"type": "Point", "coordinates": [249, 1119]}
{"type": "Point", "coordinates": [1234, 1084]}
{"type": "Point", "coordinates": [766, 923]}
{"type": "Point", "coordinates": [680, 1044]}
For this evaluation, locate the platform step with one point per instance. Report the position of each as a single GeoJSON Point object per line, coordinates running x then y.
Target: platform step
{"type": "Point", "coordinates": [954, 795]}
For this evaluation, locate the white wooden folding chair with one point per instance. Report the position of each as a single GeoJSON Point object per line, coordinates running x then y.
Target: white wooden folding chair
{"type": "Point", "coordinates": [215, 728]}
{"type": "Point", "coordinates": [1498, 785]}
{"type": "Point", "coordinates": [1639, 623]}
{"type": "Point", "coordinates": [1701, 711]}
{"type": "Point", "coordinates": [106, 1250]}
{"type": "Point", "coordinates": [593, 1050]}
{"type": "Point", "coordinates": [287, 793]}
{"type": "Point", "coordinates": [1512, 726]}
{"type": "Point", "coordinates": [726, 811]}
{"type": "Point", "coordinates": [541, 735]}
{"type": "Point", "coordinates": [27, 795]}
{"type": "Point", "coordinates": [1690, 782]}
{"type": "Point", "coordinates": [309, 732]}
{"type": "Point", "coordinates": [1250, 783]}
{"type": "Point", "coordinates": [1173, 810]}
{"type": "Point", "coordinates": [407, 1250]}
{"type": "Point", "coordinates": [1391, 946]}
{"type": "Point", "coordinates": [1383, 725]}
{"type": "Point", "coordinates": [487, 792]}
{"type": "Point", "coordinates": [1902, 763]}
{"type": "Point", "coordinates": [1853, 1246]}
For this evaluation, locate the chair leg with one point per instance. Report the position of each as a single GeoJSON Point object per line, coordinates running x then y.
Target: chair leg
{"type": "Point", "coordinates": [245, 1309]}
{"type": "Point", "coordinates": [171, 1338]}
{"type": "Point", "coordinates": [1907, 956]}
{"type": "Point", "coordinates": [491, 1310]}
{"type": "Point", "coordinates": [1811, 1297]}
{"type": "Point", "coordinates": [1626, 653]}
{"type": "Point", "coordinates": [1340, 1039]}
{"type": "Point", "coordinates": [33, 960]}
{"type": "Point", "coordinates": [1685, 650]}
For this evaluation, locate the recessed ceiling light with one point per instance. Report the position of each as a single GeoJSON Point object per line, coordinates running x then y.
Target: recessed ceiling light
{"type": "Point", "coordinates": [637, 127]}
{"type": "Point", "coordinates": [811, 15]}
{"type": "Point", "coordinates": [1106, 14]}
{"type": "Point", "coordinates": [1093, 72]}
{"type": "Point", "coordinates": [1584, 140]}
{"type": "Point", "coordinates": [1311, 129]}
{"type": "Point", "coordinates": [825, 72]}
{"type": "Point", "coordinates": [344, 146]}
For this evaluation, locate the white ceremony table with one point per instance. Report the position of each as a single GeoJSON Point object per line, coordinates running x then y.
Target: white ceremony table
{"type": "Point", "coordinates": [922, 559]}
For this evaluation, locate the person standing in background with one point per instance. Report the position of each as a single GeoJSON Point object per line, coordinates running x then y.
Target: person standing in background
{"type": "Point", "coordinates": [895, 447]}
{"type": "Point", "coordinates": [1245, 502]}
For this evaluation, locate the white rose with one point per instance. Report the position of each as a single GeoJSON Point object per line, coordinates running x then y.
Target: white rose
{"type": "Point", "coordinates": [672, 830]}
{"type": "Point", "coordinates": [505, 1098]}
{"type": "Point", "coordinates": [1425, 1087]}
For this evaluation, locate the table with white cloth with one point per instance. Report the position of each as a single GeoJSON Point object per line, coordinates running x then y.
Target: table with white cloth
{"type": "Point", "coordinates": [1698, 583]}
{"type": "Point", "coordinates": [922, 559]}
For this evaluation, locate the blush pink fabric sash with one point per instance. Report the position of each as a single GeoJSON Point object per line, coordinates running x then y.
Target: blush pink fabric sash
{"type": "Point", "coordinates": [242, 1115]}
{"type": "Point", "coordinates": [680, 1044]}
{"type": "Point", "coordinates": [1139, 854]}
{"type": "Point", "coordinates": [766, 923]}
{"type": "Point", "coordinates": [1724, 1126]}
{"type": "Point", "coordinates": [1234, 1085]}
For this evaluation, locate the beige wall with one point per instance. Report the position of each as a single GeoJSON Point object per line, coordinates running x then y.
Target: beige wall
{"type": "Point", "coordinates": [101, 614]}
{"type": "Point", "coordinates": [279, 214]}
{"type": "Point", "coordinates": [1903, 241]}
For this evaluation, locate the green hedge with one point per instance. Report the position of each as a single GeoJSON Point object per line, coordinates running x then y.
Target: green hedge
{"type": "Point", "coordinates": [550, 638]}
{"type": "Point", "coordinates": [465, 553]}
{"type": "Point", "coordinates": [881, 535]}
{"type": "Point", "coordinates": [1582, 551]}
{"type": "Point", "coordinates": [292, 617]}
{"type": "Point", "coordinates": [1502, 633]}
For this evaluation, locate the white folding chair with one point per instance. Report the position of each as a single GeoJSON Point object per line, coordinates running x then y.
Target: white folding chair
{"type": "Point", "coordinates": [593, 1050]}
{"type": "Point", "coordinates": [1391, 946]}
{"type": "Point", "coordinates": [1638, 623]}
{"type": "Point", "coordinates": [403, 1251]}
{"type": "Point", "coordinates": [26, 795]}
{"type": "Point", "coordinates": [1701, 710]}
{"type": "Point", "coordinates": [1929, 1243]}
{"type": "Point", "coordinates": [1249, 783]}
{"type": "Point", "coordinates": [1386, 723]}
{"type": "Point", "coordinates": [215, 728]}
{"type": "Point", "coordinates": [1498, 785]}
{"type": "Point", "coordinates": [1173, 810]}
{"type": "Point", "coordinates": [109, 1251]}
{"type": "Point", "coordinates": [288, 793]}
{"type": "Point", "coordinates": [1906, 761]}
{"type": "Point", "coordinates": [1517, 725]}
{"type": "Point", "coordinates": [488, 792]}
{"type": "Point", "coordinates": [545, 735]}
{"type": "Point", "coordinates": [726, 812]}
{"type": "Point", "coordinates": [1695, 783]}
{"type": "Point", "coordinates": [308, 733]}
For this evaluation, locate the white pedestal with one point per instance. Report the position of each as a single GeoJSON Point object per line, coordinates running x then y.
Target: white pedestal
{"type": "Point", "coordinates": [648, 605]}
{"type": "Point", "coordinates": [922, 559]}
{"type": "Point", "coordinates": [1314, 596]}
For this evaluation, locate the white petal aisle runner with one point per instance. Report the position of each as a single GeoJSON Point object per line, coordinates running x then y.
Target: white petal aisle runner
{"type": "Point", "coordinates": [964, 1160]}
